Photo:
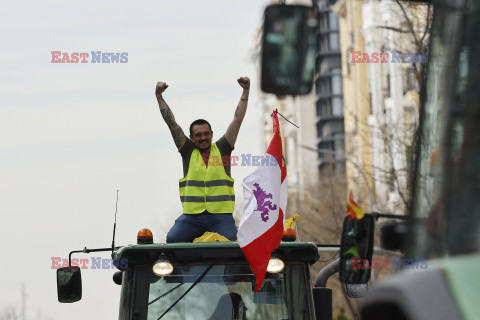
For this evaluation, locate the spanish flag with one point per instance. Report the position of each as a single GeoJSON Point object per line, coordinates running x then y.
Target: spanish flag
{"type": "Point", "coordinates": [353, 210]}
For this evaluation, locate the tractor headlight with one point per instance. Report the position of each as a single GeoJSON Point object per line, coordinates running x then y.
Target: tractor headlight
{"type": "Point", "coordinates": [275, 265]}
{"type": "Point", "coordinates": [162, 267]}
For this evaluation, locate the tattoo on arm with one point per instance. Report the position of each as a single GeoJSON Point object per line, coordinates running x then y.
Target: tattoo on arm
{"type": "Point", "coordinates": [178, 137]}
{"type": "Point", "coordinates": [175, 130]}
{"type": "Point", "coordinates": [168, 117]}
{"type": "Point", "coordinates": [236, 111]}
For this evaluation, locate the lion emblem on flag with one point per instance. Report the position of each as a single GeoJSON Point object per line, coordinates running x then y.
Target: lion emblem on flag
{"type": "Point", "coordinates": [263, 205]}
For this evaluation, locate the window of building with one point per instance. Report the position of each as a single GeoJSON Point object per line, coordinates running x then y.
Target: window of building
{"type": "Point", "coordinates": [333, 21]}
{"type": "Point", "coordinates": [337, 85]}
{"type": "Point", "coordinates": [334, 41]}
{"type": "Point", "coordinates": [337, 106]}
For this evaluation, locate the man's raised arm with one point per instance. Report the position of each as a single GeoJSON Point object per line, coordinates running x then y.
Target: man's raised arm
{"type": "Point", "coordinates": [234, 127]}
{"type": "Point", "coordinates": [177, 133]}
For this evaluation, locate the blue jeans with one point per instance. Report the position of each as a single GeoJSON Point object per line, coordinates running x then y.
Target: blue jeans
{"type": "Point", "coordinates": [187, 227]}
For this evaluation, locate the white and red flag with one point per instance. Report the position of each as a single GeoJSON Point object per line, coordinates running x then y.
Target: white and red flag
{"type": "Point", "coordinates": [265, 192]}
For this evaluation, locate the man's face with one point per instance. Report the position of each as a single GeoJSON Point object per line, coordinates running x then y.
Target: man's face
{"type": "Point", "coordinates": [201, 136]}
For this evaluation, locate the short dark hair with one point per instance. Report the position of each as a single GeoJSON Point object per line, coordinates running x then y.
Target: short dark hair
{"type": "Point", "coordinates": [199, 122]}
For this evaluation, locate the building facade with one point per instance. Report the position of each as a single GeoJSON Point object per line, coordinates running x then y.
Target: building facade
{"type": "Point", "coordinates": [381, 98]}
{"type": "Point", "coordinates": [329, 103]}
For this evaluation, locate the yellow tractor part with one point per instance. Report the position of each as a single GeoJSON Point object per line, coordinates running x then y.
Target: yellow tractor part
{"type": "Point", "coordinates": [290, 223]}
{"type": "Point", "coordinates": [210, 237]}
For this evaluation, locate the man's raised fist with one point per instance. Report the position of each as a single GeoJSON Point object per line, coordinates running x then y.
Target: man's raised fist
{"type": "Point", "coordinates": [161, 87]}
{"type": "Point", "coordinates": [244, 82]}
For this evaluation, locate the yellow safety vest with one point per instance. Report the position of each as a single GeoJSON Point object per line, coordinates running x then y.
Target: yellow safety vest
{"type": "Point", "coordinates": [207, 187]}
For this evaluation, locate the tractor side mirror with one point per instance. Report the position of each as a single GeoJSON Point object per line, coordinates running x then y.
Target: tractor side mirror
{"type": "Point", "coordinates": [356, 250]}
{"type": "Point", "coordinates": [289, 47]}
{"type": "Point", "coordinates": [69, 284]}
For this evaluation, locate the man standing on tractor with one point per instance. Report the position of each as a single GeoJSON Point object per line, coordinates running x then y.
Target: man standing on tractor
{"type": "Point", "coordinates": [206, 190]}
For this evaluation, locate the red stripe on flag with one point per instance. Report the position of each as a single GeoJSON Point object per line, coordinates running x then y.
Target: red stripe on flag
{"type": "Point", "coordinates": [259, 251]}
{"type": "Point", "coordinates": [275, 147]}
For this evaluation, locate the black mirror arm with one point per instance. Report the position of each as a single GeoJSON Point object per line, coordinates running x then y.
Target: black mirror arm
{"type": "Point", "coordinates": [377, 215]}
{"type": "Point", "coordinates": [86, 250]}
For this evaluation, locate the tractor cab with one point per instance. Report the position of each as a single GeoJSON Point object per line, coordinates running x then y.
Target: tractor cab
{"type": "Point", "coordinates": [204, 280]}
{"type": "Point", "coordinates": [214, 281]}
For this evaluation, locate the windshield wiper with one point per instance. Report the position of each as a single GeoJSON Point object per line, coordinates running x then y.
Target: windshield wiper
{"type": "Point", "coordinates": [200, 278]}
{"type": "Point", "coordinates": [163, 295]}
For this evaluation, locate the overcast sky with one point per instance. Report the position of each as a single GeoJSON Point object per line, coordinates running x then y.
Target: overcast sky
{"type": "Point", "coordinates": [72, 134]}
